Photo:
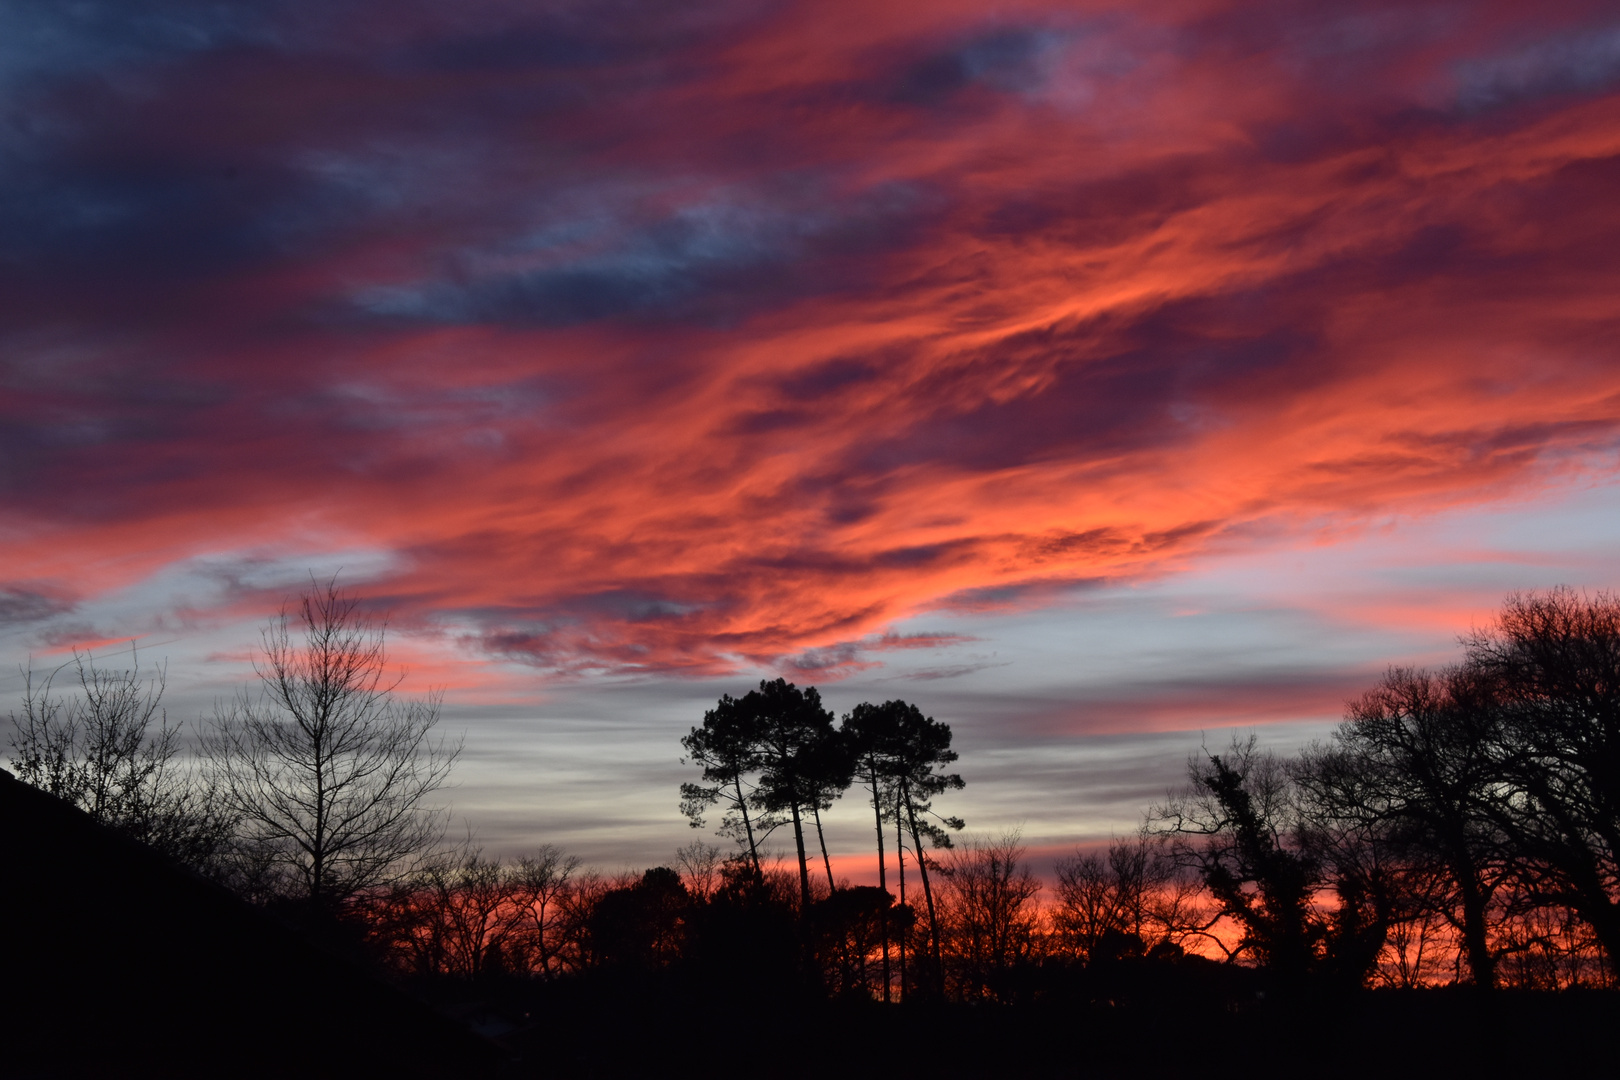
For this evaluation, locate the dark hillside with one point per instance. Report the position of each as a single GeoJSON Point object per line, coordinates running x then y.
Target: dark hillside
{"type": "Point", "coordinates": [117, 962]}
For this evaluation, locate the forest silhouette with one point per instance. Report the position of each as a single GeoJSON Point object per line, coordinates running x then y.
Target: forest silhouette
{"type": "Point", "coordinates": [1435, 887]}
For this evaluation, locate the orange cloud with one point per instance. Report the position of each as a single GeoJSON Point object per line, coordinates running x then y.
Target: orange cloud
{"type": "Point", "coordinates": [742, 344]}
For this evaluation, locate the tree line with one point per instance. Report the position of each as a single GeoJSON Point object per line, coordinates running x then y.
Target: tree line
{"type": "Point", "coordinates": [1467, 817]}
{"type": "Point", "coordinates": [1461, 826]}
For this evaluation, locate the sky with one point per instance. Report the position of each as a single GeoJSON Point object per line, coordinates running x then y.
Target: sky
{"type": "Point", "coordinates": [1104, 378]}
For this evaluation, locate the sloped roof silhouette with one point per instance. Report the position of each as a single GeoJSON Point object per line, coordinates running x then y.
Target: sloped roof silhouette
{"type": "Point", "coordinates": [118, 962]}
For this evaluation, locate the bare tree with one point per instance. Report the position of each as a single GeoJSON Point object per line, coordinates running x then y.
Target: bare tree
{"type": "Point", "coordinates": [328, 769]}
{"type": "Point", "coordinates": [108, 748]}
{"type": "Point", "coordinates": [1130, 900]}
{"type": "Point", "coordinates": [1553, 660]}
{"type": "Point", "coordinates": [473, 899]}
{"type": "Point", "coordinates": [462, 915]}
{"type": "Point", "coordinates": [1405, 782]}
{"type": "Point", "coordinates": [452, 915]}
{"type": "Point", "coordinates": [990, 910]}
{"type": "Point", "coordinates": [542, 887]}
{"type": "Point", "coordinates": [700, 868]}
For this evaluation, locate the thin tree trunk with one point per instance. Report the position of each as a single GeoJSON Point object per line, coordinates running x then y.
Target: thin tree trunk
{"type": "Point", "coordinates": [900, 856]}
{"type": "Point", "coordinates": [883, 881]}
{"type": "Point", "coordinates": [877, 815]}
{"type": "Point", "coordinates": [540, 938]}
{"type": "Point", "coordinates": [821, 837]}
{"type": "Point", "coordinates": [742, 804]}
{"type": "Point", "coordinates": [317, 882]}
{"type": "Point", "coordinates": [804, 864]}
{"type": "Point", "coordinates": [928, 893]}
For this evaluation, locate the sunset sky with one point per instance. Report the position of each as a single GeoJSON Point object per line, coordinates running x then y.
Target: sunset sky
{"type": "Point", "coordinates": [1099, 376]}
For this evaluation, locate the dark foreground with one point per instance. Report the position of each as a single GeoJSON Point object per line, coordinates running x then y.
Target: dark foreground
{"type": "Point", "coordinates": [115, 963]}
{"type": "Point", "coordinates": [586, 1031]}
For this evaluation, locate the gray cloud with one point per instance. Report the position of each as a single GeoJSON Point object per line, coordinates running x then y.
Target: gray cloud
{"type": "Point", "coordinates": [1585, 60]}
{"type": "Point", "coordinates": [20, 604]}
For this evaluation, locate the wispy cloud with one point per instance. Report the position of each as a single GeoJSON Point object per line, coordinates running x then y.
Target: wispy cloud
{"type": "Point", "coordinates": [651, 342]}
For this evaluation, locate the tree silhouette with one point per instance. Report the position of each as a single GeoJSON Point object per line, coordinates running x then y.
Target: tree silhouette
{"type": "Point", "coordinates": [642, 926]}
{"type": "Point", "coordinates": [1129, 899]}
{"type": "Point", "coordinates": [775, 750]}
{"type": "Point", "coordinates": [109, 749]}
{"type": "Point", "coordinates": [899, 754]}
{"type": "Point", "coordinates": [701, 869]}
{"type": "Point", "coordinates": [327, 769]}
{"type": "Point", "coordinates": [846, 927]}
{"type": "Point", "coordinates": [726, 748]}
{"type": "Point", "coordinates": [1236, 827]}
{"type": "Point", "coordinates": [1409, 771]}
{"type": "Point", "coordinates": [541, 884]}
{"type": "Point", "coordinates": [798, 759]}
{"type": "Point", "coordinates": [991, 913]}
{"type": "Point", "coordinates": [1553, 660]}
{"type": "Point", "coordinates": [868, 734]}
{"type": "Point", "coordinates": [465, 913]}
{"type": "Point", "coordinates": [830, 769]}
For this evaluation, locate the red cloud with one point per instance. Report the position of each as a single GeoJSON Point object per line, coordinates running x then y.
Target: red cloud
{"type": "Point", "coordinates": [745, 342]}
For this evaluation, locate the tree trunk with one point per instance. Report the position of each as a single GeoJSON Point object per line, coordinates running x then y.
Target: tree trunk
{"type": "Point", "coordinates": [900, 857]}
{"type": "Point", "coordinates": [804, 864]}
{"type": "Point", "coordinates": [928, 894]}
{"type": "Point", "coordinates": [1476, 944]}
{"type": "Point", "coordinates": [317, 877]}
{"type": "Point", "coordinates": [1603, 916]}
{"type": "Point", "coordinates": [822, 839]}
{"type": "Point", "coordinates": [753, 851]}
{"type": "Point", "coordinates": [883, 881]}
